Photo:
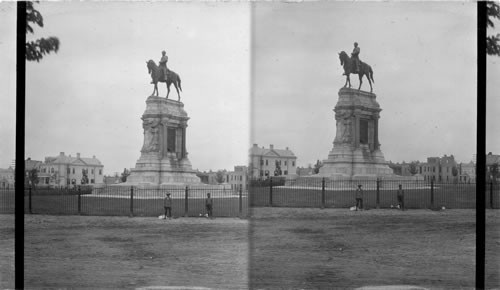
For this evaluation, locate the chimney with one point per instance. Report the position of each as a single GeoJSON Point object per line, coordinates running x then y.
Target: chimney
{"type": "Point", "coordinates": [93, 156]}
{"type": "Point", "coordinates": [61, 154]}
{"type": "Point", "coordinates": [255, 145]}
{"type": "Point", "coordinates": [78, 155]}
{"type": "Point", "coordinates": [271, 146]}
{"type": "Point", "coordinates": [286, 148]}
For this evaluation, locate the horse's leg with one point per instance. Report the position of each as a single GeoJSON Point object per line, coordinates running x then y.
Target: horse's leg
{"type": "Point", "coordinates": [346, 78]}
{"type": "Point", "coordinates": [349, 80]}
{"type": "Point", "coordinates": [155, 89]}
{"type": "Point", "coordinates": [168, 89]}
{"type": "Point", "coordinates": [370, 82]}
{"type": "Point", "coordinates": [360, 81]}
{"type": "Point", "coordinates": [178, 95]}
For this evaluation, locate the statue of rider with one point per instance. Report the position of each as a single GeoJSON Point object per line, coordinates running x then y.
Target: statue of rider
{"type": "Point", "coordinates": [163, 64]}
{"type": "Point", "coordinates": [355, 57]}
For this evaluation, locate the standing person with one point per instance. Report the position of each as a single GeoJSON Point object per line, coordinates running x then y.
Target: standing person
{"type": "Point", "coordinates": [167, 204]}
{"type": "Point", "coordinates": [208, 205]}
{"type": "Point", "coordinates": [401, 198]}
{"type": "Point", "coordinates": [359, 198]}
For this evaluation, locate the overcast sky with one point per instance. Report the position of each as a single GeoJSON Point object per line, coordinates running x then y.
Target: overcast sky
{"type": "Point", "coordinates": [423, 55]}
{"type": "Point", "coordinates": [89, 97]}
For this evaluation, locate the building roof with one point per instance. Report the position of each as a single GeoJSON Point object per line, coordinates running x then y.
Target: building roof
{"type": "Point", "coordinates": [271, 152]}
{"type": "Point", "coordinates": [63, 159]}
{"type": "Point", "coordinates": [31, 164]}
{"type": "Point", "coordinates": [8, 170]}
{"type": "Point", "coordinates": [492, 159]}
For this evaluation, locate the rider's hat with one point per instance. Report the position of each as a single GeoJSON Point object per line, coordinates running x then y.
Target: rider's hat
{"type": "Point", "coordinates": [356, 43]}
{"type": "Point", "coordinates": [163, 52]}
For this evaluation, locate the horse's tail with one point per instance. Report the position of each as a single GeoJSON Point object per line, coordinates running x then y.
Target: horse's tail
{"type": "Point", "coordinates": [179, 80]}
{"type": "Point", "coordinates": [371, 75]}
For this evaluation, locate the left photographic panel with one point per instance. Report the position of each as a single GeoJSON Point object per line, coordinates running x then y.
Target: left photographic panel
{"type": "Point", "coordinates": [137, 109]}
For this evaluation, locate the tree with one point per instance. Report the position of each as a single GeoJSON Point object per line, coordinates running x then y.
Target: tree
{"type": "Point", "coordinates": [219, 176]}
{"type": "Point", "coordinates": [35, 50]}
{"type": "Point", "coordinates": [277, 171]}
{"type": "Point", "coordinates": [413, 167]}
{"type": "Point", "coordinates": [492, 41]}
{"type": "Point", "coordinates": [125, 175]}
{"type": "Point", "coordinates": [32, 177]}
{"type": "Point", "coordinates": [494, 172]}
{"type": "Point", "coordinates": [317, 166]}
{"type": "Point", "coordinates": [85, 178]}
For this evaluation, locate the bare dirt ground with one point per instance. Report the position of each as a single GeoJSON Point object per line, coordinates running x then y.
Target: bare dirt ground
{"type": "Point", "coordinates": [335, 248]}
{"type": "Point", "coordinates": [128, 253]}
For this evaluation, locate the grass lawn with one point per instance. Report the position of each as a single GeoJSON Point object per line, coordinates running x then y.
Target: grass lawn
{"type": "Point", "coordinates": [126, 253]}
{"type": "Point", "coordinates": [295, 248]}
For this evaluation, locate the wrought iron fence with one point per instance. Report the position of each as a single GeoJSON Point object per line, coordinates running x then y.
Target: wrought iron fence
{"type": "Point", "coordinates": [377, 193]}
{"type": "Point", "coordinates": [127, 201]}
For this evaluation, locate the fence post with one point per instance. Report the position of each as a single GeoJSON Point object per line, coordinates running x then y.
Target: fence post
{"type": "Point", "coordinates": [79, 203]}
{"type": "Point", "coordinates": [378, 193]}
{"type": "Point", "coordinates": [29, 200]}
{"type": "Point", "coordinates": [323, 193]}
{"type": "Point", "coordinates": [131, 201]}
{"type": "Point", "coordinates": [432, 193]}
{"type": "Point", "coordinates": [241, 200]}
{"type": "Point", "coordinates": [186, 209]}
{"type": "Point", "coordinates": [491, 195]}
{"type": "Point", "coordinates": [270, 191]}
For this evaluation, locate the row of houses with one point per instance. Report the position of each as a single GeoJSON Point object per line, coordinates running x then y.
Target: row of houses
{"type": "Point", "coordinates": [64, 170]}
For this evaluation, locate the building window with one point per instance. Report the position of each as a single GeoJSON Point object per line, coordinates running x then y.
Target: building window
{"type": "Point", "coordinates": [293, 163]}
{"type": "Point", "coordinates": [267, 163]}
{"type": "Point", "coordinates": [92, 171]}
{"type": "Point", "coordinates": [261, 173]}
{"type": "Point", "coordinates": [52, 170]}
{"type": "Point", "coordinates": [285, 162]}
{"type": "Point", "coordinates": [261, 162]}
{"type": "Point", "coordinates": [241, 178]}
{"type": "Point", "coordinates": [73, 171]}
{"type": "Point", "coordinates": [285, 172]}
{"type": "Point", "coordinates": [100, 171]}
{"type": "Point", "coordinates": [69, 170]}
{"type": "Point", "coordinates": [91, 181]}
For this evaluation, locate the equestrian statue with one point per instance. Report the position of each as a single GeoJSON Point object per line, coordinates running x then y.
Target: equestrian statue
{"type": "Point", "coordinates": [352, 65]}
{"type": "Point", "coordinates": [163, 75]}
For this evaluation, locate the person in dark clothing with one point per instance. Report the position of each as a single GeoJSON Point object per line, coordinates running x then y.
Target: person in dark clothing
{"type": "Point", "coordinates": [167, 204]}
{"type": "Point", "coordinates": [208, 205]}
{"type": "Point", "coordinates": [359, 198]}
{"type": "Point", "coordinates": [401, 198]}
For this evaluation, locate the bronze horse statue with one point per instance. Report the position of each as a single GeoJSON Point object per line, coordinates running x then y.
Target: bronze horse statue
{"type": "Point", "coordinates": [364, 69]}
{"type": "Point", "coordinates": [157, 76]}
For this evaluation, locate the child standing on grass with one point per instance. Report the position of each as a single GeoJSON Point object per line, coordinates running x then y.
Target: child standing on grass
{"type": "Point", "coordinates": [359, 198]}
{"type": "Point", "coordinates": [167, 204]}
{"type": "Point", "coordinates": [401, 198]}
{"type": "Point", "coordinates": [208, 205]}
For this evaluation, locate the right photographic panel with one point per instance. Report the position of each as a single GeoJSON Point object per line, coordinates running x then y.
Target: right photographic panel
{"type": "Point", "coordinates": [363, 139]}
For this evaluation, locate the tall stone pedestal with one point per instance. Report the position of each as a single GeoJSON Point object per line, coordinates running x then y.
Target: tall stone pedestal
{"type": "Point", "coordinates": [164, 159]}
{"type": "Point", "coordinates": [356, 148]}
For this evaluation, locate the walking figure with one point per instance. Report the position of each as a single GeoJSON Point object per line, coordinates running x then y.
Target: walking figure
{"type": "Point", "coordinates": [167, 204]}
{"type": "Point", "coordinates": [208, 205]}
{"type": "Point", "coordinates": [359, 198]}
{"type": "Point", "coordinates": [401, 198]}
